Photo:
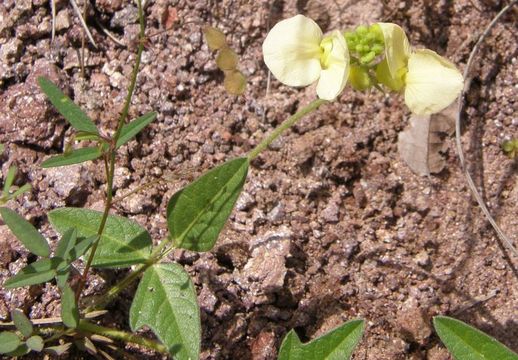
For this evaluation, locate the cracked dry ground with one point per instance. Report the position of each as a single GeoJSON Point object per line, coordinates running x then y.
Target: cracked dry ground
{"type": "Point", "coordinates": [332, 225]}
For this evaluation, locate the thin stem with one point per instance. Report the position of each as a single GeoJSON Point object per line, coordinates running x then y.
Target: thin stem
{"type": "Point", "coordinates": [157, 254]}
{"type": "Point", "coordinates": [155, 257]}
{"type": "Point", "coordinates": [284, 126]}
{"type": "Point", "coordinates": [142, 38]}
{"type": "Point", "coordinates": [112, 151]}
{"type": "Point", "coordinates": [460, 110]}
{"type": "Point", "coordinates": [121, 335]}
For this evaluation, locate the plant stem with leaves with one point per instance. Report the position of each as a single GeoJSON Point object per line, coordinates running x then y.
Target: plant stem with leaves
{"type": "Point", "coordinates": [112, 150]}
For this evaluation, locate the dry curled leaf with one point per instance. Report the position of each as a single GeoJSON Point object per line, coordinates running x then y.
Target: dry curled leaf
{"type": "Point", "coordinates": [420, 144]}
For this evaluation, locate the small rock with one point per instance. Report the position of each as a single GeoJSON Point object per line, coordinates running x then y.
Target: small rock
{"type": "Point", "coordinates": [422, 259]}
{"type": "Point", "coordinates": [10, 51]}
{"type": "Point", "coordinates": [6, 238]}
{"type": "Point", "coordinates": [128, 15]}
{"type": "Point", "coordinates": [25, 114]}
{"type": "Point", "coordinates": [266, 269]}
{"type": "Point", "coordinates": [121, 178]}
{"type": "Point", "coordinates": [263, 346]}
{"type": "Point", "coordinates": [64, 179]}
{"type": "Point", "coordinates": [332, 210]}
{"type": "Point", "coordinates": [108, 6]}
{"type": "Point", "coordinates": [245, 201]}
{"type": "Point", "coordinates": [359, 195]}
{"type": "Point", "coordinates": [413, 325]}
{"type": "Point", "coordinates": [62, 20]}
{"type": "Point", "coordinates": [207, 300]}
{"type": "Point", "coordinates": [277, 213]}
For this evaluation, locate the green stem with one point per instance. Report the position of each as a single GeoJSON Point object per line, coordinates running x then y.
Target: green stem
{"type": "Point", "coordinates": [121, 335]}
{"type": "Point", "coordinates": [111, 166]}
{"type": "Point", "coordinates": [157, 254]}
{"type": "Point", "coordinates": [105, 299]}
{"type": "Point", "coordinates": [284, 126]}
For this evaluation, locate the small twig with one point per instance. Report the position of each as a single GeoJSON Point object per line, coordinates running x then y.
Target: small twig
{"type": "Point", "coordinates": [121, 335]}
{"type": "Point", "coordinates": [53, 11]}
{"type": "Point", "coordinates": [83, 22]}
{"type": "Point", "coordinates": [83, 45]}
{"type": "Point", "coordinates": [507, 242]}
{"type": "Point", "coordinates": [476, 301]}
{"type": "Point", "coordinates": [55, 320]}
{"type": "Point", "coordinates": [109, 34]}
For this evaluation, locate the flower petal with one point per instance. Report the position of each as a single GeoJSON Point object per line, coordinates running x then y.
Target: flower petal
{"type": "Point", "coordinates": [333, 78]}
{"type": "Point", "coordinates": [397, 48]}
{"type": "Point", "coordinates": [292, 51]}
{"type": "Point", "coordinates": [432, 82]}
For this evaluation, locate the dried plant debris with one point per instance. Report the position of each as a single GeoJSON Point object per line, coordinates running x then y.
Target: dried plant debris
{"type": "Point", "coordinates": [420, 145]}
{"type": "Point", "coordinates": [226, 60]}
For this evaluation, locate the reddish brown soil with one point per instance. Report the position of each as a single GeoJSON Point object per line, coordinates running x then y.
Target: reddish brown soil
{"type": "Point", "coordinates": [331, 226]}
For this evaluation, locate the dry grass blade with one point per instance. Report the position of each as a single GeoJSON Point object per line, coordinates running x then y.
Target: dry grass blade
{"type": "Point", "coordinates": [83, 22]}
{"type": "Point", "coordinates": [507, 242]}
{"type": "Point", "coordinates": [53, 11]}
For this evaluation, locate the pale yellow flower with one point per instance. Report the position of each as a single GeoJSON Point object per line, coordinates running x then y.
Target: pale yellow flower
{"type": "Point", "coordinates": [298, 54]}
{"type": "Point", "coordinates": [430, 82]}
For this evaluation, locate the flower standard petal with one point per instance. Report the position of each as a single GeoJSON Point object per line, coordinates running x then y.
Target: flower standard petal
{"type": "Point", "coordinates": [336, 71]}
{"type": "Point", "coordinates": [432, 82]}
{"type": "Point", "coordinates": [397, 48]}
{"type": "Point", "coordinates": [292, 51]}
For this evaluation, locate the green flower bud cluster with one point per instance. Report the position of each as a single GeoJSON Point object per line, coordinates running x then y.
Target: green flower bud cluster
{"type": "Point", "coordinates": [365, 42]}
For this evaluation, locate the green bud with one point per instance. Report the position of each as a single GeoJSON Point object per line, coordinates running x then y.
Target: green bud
{"type": "Point", "coordinates": [362, 30]}
{"type": "Point", "coordinates": [359, 78]}
{"type": "Point", "coordinates": [377, 48]}
{"type": "Point", "coordinates": [376, 30]}
{"type": "Point", "coordinates": [366, 59]}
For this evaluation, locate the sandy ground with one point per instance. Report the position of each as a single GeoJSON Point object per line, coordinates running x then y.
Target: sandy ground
{"type": "Point", "coordinates": [332, 224]}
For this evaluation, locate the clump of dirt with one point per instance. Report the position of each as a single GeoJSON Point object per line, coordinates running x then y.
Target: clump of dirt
{"type": "Point", "coordinates": [332, 225]}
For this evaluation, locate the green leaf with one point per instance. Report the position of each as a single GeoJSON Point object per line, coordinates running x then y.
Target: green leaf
{"type": "Point", "coordinates": [9, 179]}
{"type": "Point", "coordinates": [82, 136]}
{"type": "Point", "coordinates": [123, 243]}
{"type": "Point", "coordinates": [128, 131]}
{"type": "Point", "coordinates": [25, 232]}
{"type": "Point", "coordinates": [21, 322]}
{"type": "Point", "coordinates": [467, 343]}
{"type": "Point", "coordinates": [35, 343]}
{"type": "Point", "coordinates": [21, 350]}
{"type": "Point", "coordinates": [66, 244]}
{"type": "Point", "coordinates": [9, 341]}
{"type": "Point", "coordinates": [338, 344]}
{"type": "Point", "coordinates": [62, 277]}
{"type": "Point", "coordinates": [166, 302]}
{"type": "Point", "coordinates": [75, 156]}
{"type": "Point", "coordinates": [69, 310]}
{"type": "Point", "coordinates": [82, 246]}
{"type": "Point", "coordinates": [38, 272]}
{"type": "Point", "coordinates": [66, 107]}
{"type": "Point", "coordinates": [197, 213]}
{"type": "Point", "coordinates": [21, 190]}
{"type": "Point", "coordinates": [58, 350]}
